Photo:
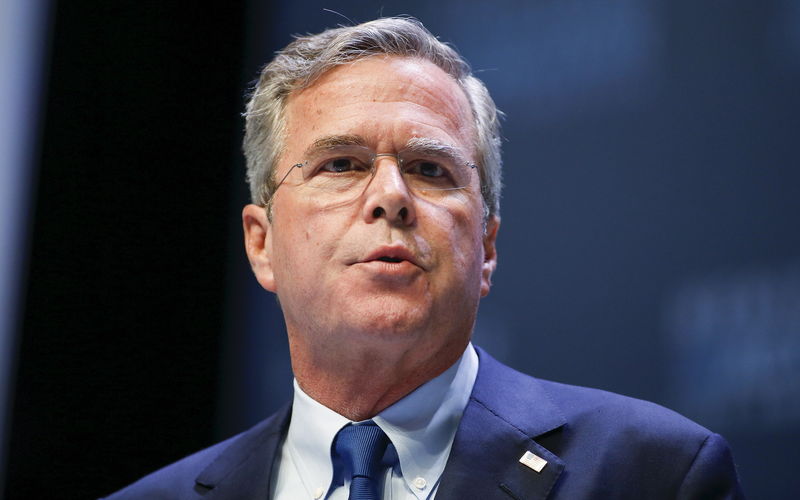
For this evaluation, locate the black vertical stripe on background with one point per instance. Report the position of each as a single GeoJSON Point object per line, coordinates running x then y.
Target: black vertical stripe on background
{"type": "Point", "coordinates": [118, 357]}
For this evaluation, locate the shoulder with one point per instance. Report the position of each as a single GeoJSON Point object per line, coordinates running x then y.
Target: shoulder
{"type": "Point", "coordinates": [175, 480]}
{"type": "Point", "coordinates": [520, 396]}
{"type": "Point", "coordinates": [636, 418]}
{"type": "Point", "coordinates": [642, 443]}
{"type": "Point", "coordinates": [195, 474]}
{"type": "Point", "coordinates": [607, 440]}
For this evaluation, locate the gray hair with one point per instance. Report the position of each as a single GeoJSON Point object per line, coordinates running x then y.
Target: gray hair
{"type": "Point", "coordinates": [308, 57]}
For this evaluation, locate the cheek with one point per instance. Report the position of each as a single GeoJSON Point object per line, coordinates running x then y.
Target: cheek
{"type": "Point", "coordinates": [296, 244]}
{"type": "Point", "coordinates": [459, 234]}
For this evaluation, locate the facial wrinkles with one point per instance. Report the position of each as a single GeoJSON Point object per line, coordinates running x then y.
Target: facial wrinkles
{"type": "Point", "coordinates": [444, 237]}
{"type": "Point", "coordinates": [429, 102]}
{"type": "Point", "coordinates": [425, 109]}
{"type": "Point", "coordinates": [358, 240]}
{"type": "Point", "coordinates": [455, 109]}
{"type": "Point", "coordinates": [391, 136]}
{"type": "Point", "coordinates": [431, 92]}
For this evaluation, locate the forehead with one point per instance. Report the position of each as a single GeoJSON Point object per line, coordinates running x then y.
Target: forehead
{"type": "Point", "coordinates": [387, 100]}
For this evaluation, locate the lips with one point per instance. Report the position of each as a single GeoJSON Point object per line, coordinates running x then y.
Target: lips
{"type": "Point", "coordinates": [392, 255]}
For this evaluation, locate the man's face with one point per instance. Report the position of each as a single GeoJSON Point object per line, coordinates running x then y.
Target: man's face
{"type": "Point", "coordinates": [323, 260]}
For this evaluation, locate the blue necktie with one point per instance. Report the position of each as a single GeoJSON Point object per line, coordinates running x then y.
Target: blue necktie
{"type": "Point", "coordinates": [361, 448]}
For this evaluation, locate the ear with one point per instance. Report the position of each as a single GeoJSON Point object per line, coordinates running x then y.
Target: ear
{"type": "Point", "coordinates": [258, 244]}
{"type": "Point", "coordinates": [489, 253]}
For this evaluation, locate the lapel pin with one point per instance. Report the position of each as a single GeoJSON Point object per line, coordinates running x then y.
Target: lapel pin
{"type": "Point", "coordinates": [533, 461]}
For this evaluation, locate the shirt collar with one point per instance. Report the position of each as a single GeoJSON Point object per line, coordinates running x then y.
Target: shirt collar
{"type": "Point", "coordinates": [311, 431]}
{"type": "Point", "coordinates": [421, 426]}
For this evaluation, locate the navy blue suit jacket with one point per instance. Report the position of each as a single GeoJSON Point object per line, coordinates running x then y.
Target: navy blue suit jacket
{"type": "Point", "coordinates": [598, 445]}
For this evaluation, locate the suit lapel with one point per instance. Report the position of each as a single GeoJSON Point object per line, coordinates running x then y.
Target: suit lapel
{"type": "Point", "coordinates": [244, 468]}
{"type": "Point", "coordinates": [506, 412]}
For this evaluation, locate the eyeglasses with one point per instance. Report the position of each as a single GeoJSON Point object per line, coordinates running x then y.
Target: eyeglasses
{"type": "Point", "coordinates": [342, 173]}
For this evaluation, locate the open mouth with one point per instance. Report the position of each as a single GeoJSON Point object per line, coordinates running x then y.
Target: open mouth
{"type": "Point", "coordinates": [391, 254]}
{"type": "Point", "coordinates": [390, 259]}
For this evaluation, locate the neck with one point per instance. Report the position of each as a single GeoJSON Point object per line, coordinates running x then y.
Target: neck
{"type": "Point", "coordinates": [360, 383]}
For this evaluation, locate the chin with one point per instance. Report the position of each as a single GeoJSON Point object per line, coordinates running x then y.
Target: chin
{"type": "Point", "coordinates": [390, 323]}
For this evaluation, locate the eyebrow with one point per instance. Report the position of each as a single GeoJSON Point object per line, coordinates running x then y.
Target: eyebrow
{"type": "Point", "coordinates": [420, 145]}
{"type": "Point", "coordinates": [433, 147]}
{"type": "Point", "coordinates": [334, 141]}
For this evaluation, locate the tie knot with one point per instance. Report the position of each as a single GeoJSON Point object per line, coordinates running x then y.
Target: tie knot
{"type": "Point", "coordinates": [361, 447]}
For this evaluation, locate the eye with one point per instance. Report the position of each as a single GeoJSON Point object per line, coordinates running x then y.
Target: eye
{"type": "Point", "coordinates": [428, 168]}
{"type": "Point", "coordinates": [340, 165]}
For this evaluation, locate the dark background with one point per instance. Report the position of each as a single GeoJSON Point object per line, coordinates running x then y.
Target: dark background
{"type": "Point", "coordinates": [649, 245]}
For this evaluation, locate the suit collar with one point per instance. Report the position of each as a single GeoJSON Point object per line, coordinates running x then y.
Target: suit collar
{"type": "Point", "coordinates": [244, 468]}
{"type": "Point", "coordinates": [515, 397]}
{"type": "Point", "coordinates": [507, 411]}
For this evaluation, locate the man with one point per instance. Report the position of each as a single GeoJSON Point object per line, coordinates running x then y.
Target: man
{"type": "Point", "coordinates": [374, 165]}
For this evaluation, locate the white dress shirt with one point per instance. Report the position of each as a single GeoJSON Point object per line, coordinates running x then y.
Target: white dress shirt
{"type": "Point", "coordinates": [421, 428]}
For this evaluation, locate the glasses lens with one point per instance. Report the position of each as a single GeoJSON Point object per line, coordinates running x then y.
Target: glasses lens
{"type": "Point", "coordinates": [341, 173]}
{"type": "Point", "coordinates": [429, 172]}
{"type": "Point", "coordinates": [341, 169]}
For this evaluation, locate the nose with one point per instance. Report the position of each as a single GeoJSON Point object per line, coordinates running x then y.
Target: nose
{"type": "Point", "coordinates": [387, 194]}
